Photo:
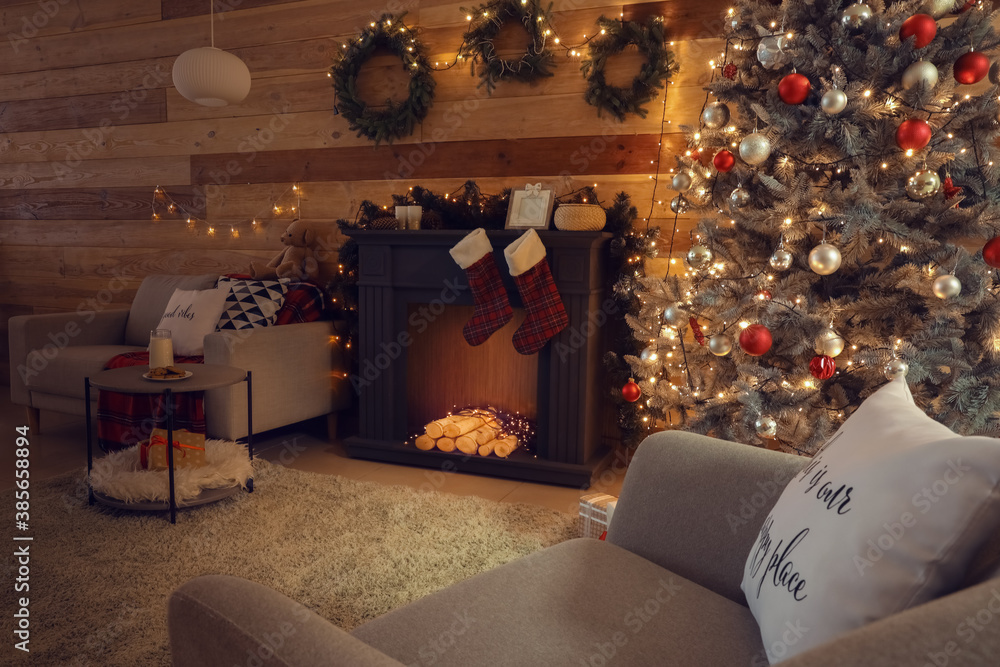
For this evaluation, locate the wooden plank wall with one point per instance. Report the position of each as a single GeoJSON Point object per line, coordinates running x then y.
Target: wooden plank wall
{"type": "Point", "coordinates": [90, 125]}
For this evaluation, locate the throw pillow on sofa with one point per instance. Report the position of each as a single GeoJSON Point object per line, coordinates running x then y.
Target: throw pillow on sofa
{"type": "Point", "coordinates": [251, 303]}
{"type": "Point", "coordinates": [887, 516]}
{"type": "Point", "coordinates": [191, 315]}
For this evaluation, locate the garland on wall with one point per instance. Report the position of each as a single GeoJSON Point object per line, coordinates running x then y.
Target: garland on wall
{"type": "Point", "coordinates": [485, 24]}
{"type": "Point", "coordinates": [397, 119]}
{"type": "Point", "coordinates": [616, 35]}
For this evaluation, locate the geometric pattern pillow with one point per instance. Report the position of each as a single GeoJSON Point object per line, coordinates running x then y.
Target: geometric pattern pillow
{"type": "Point", "coordinates": [251, 303]}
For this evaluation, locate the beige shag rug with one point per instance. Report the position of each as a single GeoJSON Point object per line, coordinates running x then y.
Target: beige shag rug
{"type": "Point", "coordinates": [349, 550]}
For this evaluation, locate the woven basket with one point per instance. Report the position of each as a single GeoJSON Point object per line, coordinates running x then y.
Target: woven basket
{"type": "Point", "coordinates": [580, 218]}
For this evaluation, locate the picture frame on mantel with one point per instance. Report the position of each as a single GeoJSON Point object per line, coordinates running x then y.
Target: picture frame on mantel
{"type": "Point", "coordinates": [531, 207]}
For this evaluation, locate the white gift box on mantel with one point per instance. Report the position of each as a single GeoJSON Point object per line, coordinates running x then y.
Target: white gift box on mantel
{"type": "Point", "coordinates": [596, 510]}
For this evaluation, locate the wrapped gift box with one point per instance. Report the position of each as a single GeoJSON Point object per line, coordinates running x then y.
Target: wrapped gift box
{"type": "Point", "coordinates": [595, 513]}
{"type": "Point", "coordinates": [189, 450]}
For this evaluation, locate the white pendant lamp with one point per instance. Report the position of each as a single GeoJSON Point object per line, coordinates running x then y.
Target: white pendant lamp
{"type": "Point", "coordinates": [209, 76]}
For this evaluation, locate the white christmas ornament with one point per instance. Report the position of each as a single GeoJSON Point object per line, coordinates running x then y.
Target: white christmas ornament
{"type": "Point", "coordinates": [947, 286]}
{"type": "Point", "coordinates": [715, 115]}
{"type": "Point", "coordinates": [681, 182]}
{"type": "Point", "coordinates": [675, 316]}
{"type": "Point", "coordinates": [781, 260]}
{"type": "Point", "coordinates": [771, 52]}
{"type": "Point", "coordinates": [895, 368]}
{"type": "Point", "coordinates": [921, 71]}
{"type": "Point", "coordinates": [824, 259]}
{"type": "Point", "coordinates": [766, 427]}
{"type": "Point", "coordinates": [834, 101]}
{"type": "Point", "coordinates": [720, 345]}
{"type": "Point", "coordinates": [856, 15]}
{"type": "Point", "coordinates": [830, 343]}
{"type": "Point", "coordinates": [755, 148]}
{"type": "Point", "coordinates": [699, 256]}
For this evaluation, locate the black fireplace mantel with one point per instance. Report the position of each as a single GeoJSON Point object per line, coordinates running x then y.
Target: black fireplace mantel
{"type": "Point", "coordinates": [399, 268]}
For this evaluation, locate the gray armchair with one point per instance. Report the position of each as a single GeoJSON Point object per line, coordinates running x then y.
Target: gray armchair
{"type": "Point", "coordinates": [663, 590]}
{"type": "Point", "coordinates": [294, 365]}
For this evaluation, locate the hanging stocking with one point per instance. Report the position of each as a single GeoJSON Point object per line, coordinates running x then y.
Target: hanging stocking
{"type": "Point", "coordinates": [546, 315]}
{"type": "Point", "coordinates": [474, 253]}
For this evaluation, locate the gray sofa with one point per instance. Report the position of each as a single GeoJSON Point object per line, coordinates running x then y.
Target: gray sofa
{"type": "Point", "coordinates": [664, 589]}
{"type": "Point", "coordinates": [293, 365]}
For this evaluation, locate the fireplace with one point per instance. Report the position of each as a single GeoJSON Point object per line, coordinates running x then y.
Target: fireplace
{"type": "Point", "coordinates": [415, 365]}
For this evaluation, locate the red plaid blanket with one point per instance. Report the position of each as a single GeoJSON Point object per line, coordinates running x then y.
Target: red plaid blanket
{"type": "Point", "coordinates": [124, 420]}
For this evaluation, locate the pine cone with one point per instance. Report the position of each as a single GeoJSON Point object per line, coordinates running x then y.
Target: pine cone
{"type": "Point", "coordinates": [384, 222]}
{"type": "Point", "coordinates": [431, 220]}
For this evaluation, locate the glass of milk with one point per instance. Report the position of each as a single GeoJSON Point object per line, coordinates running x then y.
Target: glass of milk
{"type": "Point", "coordinates": [161, 348]}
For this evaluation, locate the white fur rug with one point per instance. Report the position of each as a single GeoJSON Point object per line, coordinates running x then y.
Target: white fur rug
{"type": "Point", "coordinates": [119, 475]}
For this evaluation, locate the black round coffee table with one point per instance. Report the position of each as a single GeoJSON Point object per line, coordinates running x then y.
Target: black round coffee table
{"type": "Point", "coordinates": [130, 380]}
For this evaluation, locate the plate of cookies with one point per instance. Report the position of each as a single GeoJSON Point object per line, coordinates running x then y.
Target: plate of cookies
{"type": "Point", "coordinates": [166, 373]}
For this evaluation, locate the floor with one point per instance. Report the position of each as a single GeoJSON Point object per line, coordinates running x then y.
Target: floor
{"type": "Point", "coordinates": [61, 446]}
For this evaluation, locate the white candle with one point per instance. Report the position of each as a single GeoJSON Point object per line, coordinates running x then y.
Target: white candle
{"type": "Point", "coordinates": [161, 352]}
{"type": "Point", "coordinates": [414, 213]}
{"type": "Point", "coordinates": [401, 215]}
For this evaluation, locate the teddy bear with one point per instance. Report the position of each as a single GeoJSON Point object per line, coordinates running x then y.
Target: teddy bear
{"type": "Point", "coordinates": [297, 261]}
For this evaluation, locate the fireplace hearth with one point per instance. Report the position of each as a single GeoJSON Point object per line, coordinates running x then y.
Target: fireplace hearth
{"type": "Point", "coordinates": [415, 366]}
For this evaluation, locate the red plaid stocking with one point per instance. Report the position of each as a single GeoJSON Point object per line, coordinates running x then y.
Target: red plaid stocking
{"type": "Point", "coordinates": [474, 253]}
{"type": "Point", "coordinates": [546, 315]}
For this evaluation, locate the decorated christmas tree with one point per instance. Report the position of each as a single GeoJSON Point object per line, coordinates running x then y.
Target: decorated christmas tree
{"type": "Point", "coordinates": [844, 166]}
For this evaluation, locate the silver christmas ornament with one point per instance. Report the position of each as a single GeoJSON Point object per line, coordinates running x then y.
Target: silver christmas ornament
{"type": "Point", "coordinates": [947, 286]}
{"type": "Point", "coordinates": [679, 205]}
{"type": "Point", "coordinates": [834, 101]}
{"type": "Point", "coordinates": [739, 198]}
{"type": "Point", "coordinates": [781, 260]}
{"type": "Point", "coordinates": [715, 115]}
{"type": "Point", "coordinates": [824, 259]}
{"type": "Point", "coordinates": [766, 427]}
{"type": "Point", "coordinates": [681, 182]}
{"type": "Point", "coordinates": [649, 355]}
{"type": "Point", "coordinates": [938, 8]}
{"type": "Point", "coordinates": [699, 257]}
{"type": "Point", "coordinates": [755, 148]}
{"type": "Point", "coordinates": [675, 316]}
{"type": "Point", "coordinates": [895, 368]}
{"type": "Point", "coordinates": [856, 15]}
{"type": "Point", "coordinates": [830, 343]}
{"type": "Point", "coordinates": [923, 184]}
{"type": "Point", "coordinates": [720, 345]}
{"type": "Point", "coordinates": [771, 51]}
{"type": "Point", "coordinates": [921, 72]}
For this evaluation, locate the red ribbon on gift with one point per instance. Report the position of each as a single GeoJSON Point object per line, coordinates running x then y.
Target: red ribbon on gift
{"type": "Point", "coordinates": [160, 441]}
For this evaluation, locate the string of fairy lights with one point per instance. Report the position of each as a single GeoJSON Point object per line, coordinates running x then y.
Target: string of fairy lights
{"type": "Point", "coordinates": [165, 207]}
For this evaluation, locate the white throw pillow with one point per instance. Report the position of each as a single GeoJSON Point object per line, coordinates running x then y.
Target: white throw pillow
{"type": "Point", "coordinates": [191, 315]}
{"type": "Point", "coordinates": [888, 515]}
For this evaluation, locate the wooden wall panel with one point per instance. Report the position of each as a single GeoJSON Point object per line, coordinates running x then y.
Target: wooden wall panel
{"type": "Point", "coordinates": [76, 197]}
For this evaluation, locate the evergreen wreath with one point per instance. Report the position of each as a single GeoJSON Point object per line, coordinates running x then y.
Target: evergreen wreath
{"type": "Point", "coordinates": [649, 38]}
{"type": "Point", "coordinates": [487, 21]}
{"type": "Point", "coordinates": [397, 119]}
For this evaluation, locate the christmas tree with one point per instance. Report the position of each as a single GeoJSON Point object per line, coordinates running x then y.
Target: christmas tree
{"type": "Point", "coordinates": [844, 166]}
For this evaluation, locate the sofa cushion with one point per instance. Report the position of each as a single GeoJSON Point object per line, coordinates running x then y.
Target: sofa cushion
{"type": "Point", "coordinates": [890, 514]}
{"type": "Point", "coordinates": [190, 316]}
{"type": "Point", "coordinates": [62, 372]}
{"type": "Point", "coordinates": [582, 602]}
{"type": "Point", "coordinates": [151, 300]}
{"type": "Point", "coordinates": [251, 303]}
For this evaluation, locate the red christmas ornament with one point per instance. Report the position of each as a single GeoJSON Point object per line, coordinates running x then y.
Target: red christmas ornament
{"type": "Point", "coordinates": [822, 367]}
{"type": "Point", "coordinates": [991, 252]}
{"type": "Point", "coordinates": [950, 189]}
{"type": "Point", "coordinates": [913, 134]}
{"type": "Point", "coordinates": [755, 340]}
{"type": "Point", "coordinates": [729, 71]}
{"type": "Point", "coordinates": [921, 25]}
{"type": "Point", "coordinates": [967, 6]}
{"type": "Point", "coordinates": [724, 161]}
{"type": "Point", "coordinates": [794, 88]}
{"type": "Point", "coordinates": [631, 391]}
{"type": "Point", "coordinates": [764, 295]}
{"type": "Point", "coordinates": [696, 329]}
{"type": "Point", "coordinates": [971, 67]}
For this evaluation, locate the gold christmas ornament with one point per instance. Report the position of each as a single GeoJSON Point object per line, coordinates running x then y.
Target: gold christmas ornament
{"type": "Point", "coordinates": [699, 257]}
{"type": "Point", "coordinates": [829, 342]}
{"type": "Point", "coordinates": [923, 184]}
{"type": "Point", "coordinates": [720, 345]}
{"type": "Point", "coordinates": [824, 259]}
{"type": "Point", "coordinates": [856, 15]}
{"type": "Point", "coordinates": [781, 260]}
{"type": "Point", "coordinates": [947, 286]}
